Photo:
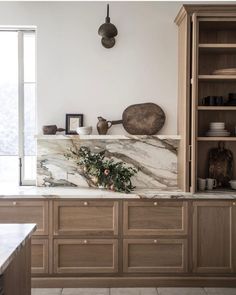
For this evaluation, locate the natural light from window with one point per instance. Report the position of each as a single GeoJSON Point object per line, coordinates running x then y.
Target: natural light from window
{"type": "Point", "coordinates": [18, 107]}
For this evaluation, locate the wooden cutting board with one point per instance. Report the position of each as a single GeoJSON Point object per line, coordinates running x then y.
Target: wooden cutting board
{"type": "Point", "coordinates": [143, 119]}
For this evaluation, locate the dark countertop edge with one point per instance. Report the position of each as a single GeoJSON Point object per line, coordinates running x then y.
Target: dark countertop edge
{"type": "Point", "coordinates": [10, 258]}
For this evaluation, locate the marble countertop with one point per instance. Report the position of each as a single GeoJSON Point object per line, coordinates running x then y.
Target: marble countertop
{"type": "Point", "coordinates": [12, 238]}
{"type": "Point", "coordinates": [71, 192]}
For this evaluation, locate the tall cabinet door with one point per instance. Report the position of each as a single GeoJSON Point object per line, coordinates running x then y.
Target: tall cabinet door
{"type": "Point", "coordinates": [194, 101]}
{"type": "Point", "coordinates": [213, 236]}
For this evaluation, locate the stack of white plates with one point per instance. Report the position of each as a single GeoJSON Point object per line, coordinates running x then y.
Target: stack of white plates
{"type": "Point", "coordinates": [217, 129]}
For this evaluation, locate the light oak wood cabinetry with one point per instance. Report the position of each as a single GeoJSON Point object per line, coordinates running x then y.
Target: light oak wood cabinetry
{"type": "Point", "coordinates": [145, 242]}
{"type": "Point", "coordinates": [155, 218]}
{"type": "Point", "coordinates": [86, 218]}
{"type": "Point", "coordinates": [207, 42]}
{"type": "Point", "coordinates": [85, 256]}
{"type": "Point", "coordinates": [39, 256]}
{"type": "Point", "coordinates": [214, 233]}
{"type": "Point", "coordinates": [155, 255]}
{"type": "Point", "coordinates": [24, 211]}
{"type": "Point", "coordinates": [30, 211]}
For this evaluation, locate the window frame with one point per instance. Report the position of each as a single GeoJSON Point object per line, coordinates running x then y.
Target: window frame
{"type": "Point", "coordinates": [21, 97]}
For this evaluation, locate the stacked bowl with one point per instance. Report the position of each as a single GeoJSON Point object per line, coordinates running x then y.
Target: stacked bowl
{"type": "Point", "coordinates": [217, 129]}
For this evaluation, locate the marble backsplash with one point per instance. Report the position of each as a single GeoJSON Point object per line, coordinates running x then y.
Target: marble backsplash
{"type": "Point", "coordinates": [154, 156]}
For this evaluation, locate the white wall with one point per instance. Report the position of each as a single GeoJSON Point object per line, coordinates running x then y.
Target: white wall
{"type": "Point", "coordinates": [75, 74]}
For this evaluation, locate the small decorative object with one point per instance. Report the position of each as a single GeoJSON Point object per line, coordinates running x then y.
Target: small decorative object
{"type": "Point", "coordinates": [231, 99]}
{"type": "Point", "coordinates": [233, 184]}
{"type": "Point", "coordinates": [51, 129]}
{"type": "Point", "coordinates": [210, 183]}
{"type": "Point", "coordinates": [220, 165]}
{"type": "Point", "coordinates": [101, 172]}
{"type": "Point", "coordinates": [108, 31]}
{"type": "Point", "coordinates": [201, 184]}
{"type": "Point", "coordinates": [103, 125]}
{"type": "Point", "coordinates": [84, 130]}
{"type": "Point", "coordinates": [217, 129]}
{"type": "Point", "coordinates": [213, 101]}
{"type": "Point", "coordinates": [73, 121]}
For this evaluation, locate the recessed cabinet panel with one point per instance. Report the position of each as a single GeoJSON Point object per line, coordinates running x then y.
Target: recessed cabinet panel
{"type": "Point", "coordinates": [85, 256]}
{"type": "Point", "coordinates": [155, 217]}
{"type": "Point", "coordinates": [25, 212]}
{"type": "Point", "coordinates": [212, 237]}
{"type": "Point", "coordinates": [39, 256]}
{"type": "Point", "coordinates": [155, 255]}
{"type": "Point", "coordinates": [86, 217]}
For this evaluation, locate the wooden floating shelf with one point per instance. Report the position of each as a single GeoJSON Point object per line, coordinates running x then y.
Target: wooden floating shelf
{"type": "Point", "coordinates": [217, 47]}
{"type": "Point", "coordinates": [217, 77]}
{"type": "Point", "coordinates": [217, 138]}
{"type": "Point", "coordinates": [216, 108]}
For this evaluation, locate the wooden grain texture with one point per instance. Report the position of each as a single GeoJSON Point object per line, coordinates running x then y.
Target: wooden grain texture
{"type": "Point", "coordinates": [184, 102]}
{"type": "Point", "coordinates": [85, 256]}
{"type": "Point", "coordinates": [16, 279]}
{"type": "Point", "coordinates": [19, 211]}
{"type": "Point", "coordinates": [212, 237]}
{"type": "Point", "coordinates": [86, 217]}
{"type": "Point", "coordinates": [155, 255]}
{"type": "Point", "coordinates": [39, 256]}
{"type": "Point", "coordinates": [154, 217]}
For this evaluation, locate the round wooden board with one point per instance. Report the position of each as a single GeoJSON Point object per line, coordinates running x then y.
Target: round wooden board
{"type": "Point", "coordinates": [143, 119]}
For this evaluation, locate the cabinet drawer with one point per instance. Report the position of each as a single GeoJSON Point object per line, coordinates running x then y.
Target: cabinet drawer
{"type": "Point", "coordinates": [86, 217]}
{"type": "Point", "coordinates": [39, 256]}
{"type": "Point", "coordinates": [16, 211]}
{"type": "Point", "coordinates": [85, 256]}
{"type": "Point", "coordinates": [155, 217]}
{"type": "Point", "coordinates": [155, 255]}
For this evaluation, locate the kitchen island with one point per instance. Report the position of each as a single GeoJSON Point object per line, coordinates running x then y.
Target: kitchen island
{"type": "Point", "coordinates": [15, 245]}
{"type": "Point", "coordinates": [98, 238]}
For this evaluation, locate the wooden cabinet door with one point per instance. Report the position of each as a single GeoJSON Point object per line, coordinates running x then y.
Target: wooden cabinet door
{"type": "Point", "coordinates": [18, 211]}
{"type": "Point", "coordinates": [155, 218]}
{"type": "Point", "coordinates": [86, 217]}
{"type": "Point", "coordinates": [212, 237]}
{"type": "Point", "coordinates": [155, 255]}
{"type": "Point", "coordinates": [85, 256]}
{"type": "Point", "coordinates": [39, 256]}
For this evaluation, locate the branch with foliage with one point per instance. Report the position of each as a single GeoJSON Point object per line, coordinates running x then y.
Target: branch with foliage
{"type": "Point", "coordinates": [102, 172]}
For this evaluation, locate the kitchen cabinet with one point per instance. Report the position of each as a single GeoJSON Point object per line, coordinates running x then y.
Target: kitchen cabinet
{"type": "Point", "coordinates": [86, 217]}
{"type": "Point", "coordinates": [85, 256]}
{"type": "Point", "coordinates": [214, 237]}
{"type": "Point", "coordinates": [150, 218]}
{"type": "Point", "coordinates": [155, 255]}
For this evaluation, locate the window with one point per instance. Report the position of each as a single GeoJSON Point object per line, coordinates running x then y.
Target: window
{"type": "Point", "coordinates": [17, 107]}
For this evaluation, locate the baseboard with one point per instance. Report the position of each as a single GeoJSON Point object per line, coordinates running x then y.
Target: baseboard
{"type": "Point", "coordinates": [108, 282]}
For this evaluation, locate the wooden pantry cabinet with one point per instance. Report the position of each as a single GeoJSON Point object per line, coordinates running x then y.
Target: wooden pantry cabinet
{"type": "Point", "coordinates": [207, 42]}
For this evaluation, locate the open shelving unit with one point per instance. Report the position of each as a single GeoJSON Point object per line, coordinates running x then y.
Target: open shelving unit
{"type": "Point", "coordinates": [213, 48]}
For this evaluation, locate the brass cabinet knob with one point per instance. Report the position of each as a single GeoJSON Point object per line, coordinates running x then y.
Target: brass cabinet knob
{"type": "Point", "coordinates": [85, 242]}
{"type": "Point", "coordinates": [155, 241]}
{"type": "Point", "coordinates": [234, 203]}
{"type": "Point", "coordinates": [14, 203]}
{"type": "Point", "coordinates": [85, 203]}
{"type": "Point", "coordinates": [155, 203]}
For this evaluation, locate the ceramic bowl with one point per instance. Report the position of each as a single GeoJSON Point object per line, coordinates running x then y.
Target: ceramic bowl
{"type": "Point", "coordinates": [233, 184]}
{"type": "Point", "coordinates": [84, 130]}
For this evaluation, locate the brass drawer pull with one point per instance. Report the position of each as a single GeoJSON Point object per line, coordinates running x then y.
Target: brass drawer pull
{"type": "Point", "coordinates": [155, 204]}
{"type": "Point", "coordinates": [85, 242]}
{"type": "Point", "coordinates": [14, 203]}
{"type": "Point", "coordinates": [155, 241]}
{"type": "Point", "coordinates": [234, 203]}
{"type": "Point", "coordinates": [85, 203]}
